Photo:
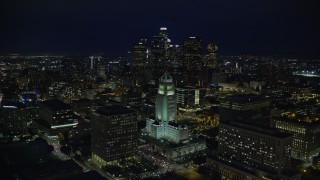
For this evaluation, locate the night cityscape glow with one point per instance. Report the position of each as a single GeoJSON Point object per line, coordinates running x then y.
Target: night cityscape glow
{"type": "Point", "coordinates": [162, 89]}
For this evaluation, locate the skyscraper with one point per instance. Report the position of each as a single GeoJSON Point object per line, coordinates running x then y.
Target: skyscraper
{"type": "Point", "coordinates": [93, 62]}
{"type": "Point", "coordinates": [159, 51]}
{"type": "Point", "coordinates": [101, 71]}
{"type": "Point", "coordinates": [139, 55]}
{"type": "Point", "coordinates": [192, 53]}
{"type": "Point", "coordinates": [163, 32]}
{"type": "Point", "coordinates": [114, 133]}
{"type": "Point", "coordinates": [212, 56]}
{"type": "Point", "coordinates": [175, 55]}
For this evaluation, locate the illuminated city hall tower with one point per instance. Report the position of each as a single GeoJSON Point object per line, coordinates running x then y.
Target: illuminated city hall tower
{"type": "Point", "coordinates": [166, 101]}
{"type": "Point", "coordinates": [170, 139]}
{"type": "Point", "coordinates": [165, 125]}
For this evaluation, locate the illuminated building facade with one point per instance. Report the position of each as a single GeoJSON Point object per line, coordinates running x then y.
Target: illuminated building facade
{"type": "Point", "coordinates": [101, 71]}
{"type": "Point", "coordinates": [212, 56]}
{"type": "Point", "coordinates": [218, 77]}
{"type": "Point", "coordinates": [306, 135]}
{"type": "Point", "coordinates": [175, 139]}
{"type": "Point", "coordinates": [29, 99]}
{"type": "Point", "coordinates": [114, 131]}
{"type": "Point", "coordinates": [14, 118]}
{"type": "Point", "coordinates": [55, 88]}
{"type": "Point", "coordinates": [190, 97]}
{"type": "Point", "coordinates": [159, 52]}
{"type": "Point", "coordinates": [139, 55]}
{"type": "Point", "coordinates": [246, 108]}
{"type": "Point", "coordinates": [166, 101]}
{"type": "Point", "coordinates": [94, 61]}
{"type": "Point", "coordinates": [175, 55]}
{"type": "Point", "coordinates": [69, 92]}
{"type": "Point", "coordinates": [165, 125]}
{"type": "Point", "coordinates": [95, 64]}
{"type": "Point", "coordinates": [159, 48]}
{"type": "Point", "coordinates": [250, 152]}
{"type": "Point", "coordinates": [192, 53]}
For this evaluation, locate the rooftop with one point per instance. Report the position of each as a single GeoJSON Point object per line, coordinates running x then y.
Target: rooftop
{"type": "Point", "coordinates": [82, 100]}
{"type": "Point", "coordinates": [56, 105]}
{"type": "Point", "coordinates": [242, 167]}
{"type": "Point", "coordinates": [11, 104]}
{"type": "Point", "coordinates": [259, 129]}
{"type": "Point", "coordinates": [110, 110]}
{"type": "Point", "coordinates": [166, 78]}
{"type": "Point", "coordinates": [244, 98]}
{"type": "Point", "coordinates": [189, 88]}
{"type": "Point", "coordinates": [304, 122]}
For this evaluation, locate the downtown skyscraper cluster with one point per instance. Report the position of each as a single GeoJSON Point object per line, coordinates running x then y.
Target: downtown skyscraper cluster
{"type": "Point", "coordinates": [150, 58]}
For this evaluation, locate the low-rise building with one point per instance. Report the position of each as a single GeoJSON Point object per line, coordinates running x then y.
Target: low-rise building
{"type": "Point", "coordinates": [306, 135]}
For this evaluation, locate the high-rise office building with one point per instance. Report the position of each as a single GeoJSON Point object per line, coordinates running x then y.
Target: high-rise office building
{"type": "Point", "coordinates": [139, 55]}
{"type": "Point", "coordinates": [163, 32]}
{"type": "Point", "coordinates": [212, 56]}
{"type": "Point", "coordinates": [175, 55]}
{"type": "Point", "coordinates": [253, 109]}
{"type": "Point", "coordinates": [114, 131]}
{"type": "Point", "coordinates": [192, 53]}
{"type": "Point", "coordinates": [251, 152]}
{"type": "Point", "coordinates": [94, 61]}
{"type": "Point", "coordinates": [101, 71]}
{"type": "Point", "coordinates": [159, 47]}
{"type": "Point", "coordinates": [159, 52]}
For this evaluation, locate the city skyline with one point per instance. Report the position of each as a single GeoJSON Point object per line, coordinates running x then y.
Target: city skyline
{"type": "Point", "coordinates": [79, 28]}
{"type": "Point", "coordinates": [160, 89]}
{"type": "Point", "coordinates": [237, 117]}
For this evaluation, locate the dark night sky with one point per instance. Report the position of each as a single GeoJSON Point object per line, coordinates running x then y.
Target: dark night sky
{"type": "Point", "coordinates": [111, 26]}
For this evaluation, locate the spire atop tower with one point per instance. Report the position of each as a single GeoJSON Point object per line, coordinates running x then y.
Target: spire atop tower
{"type": "Point", "coordinates": [166, 78]}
